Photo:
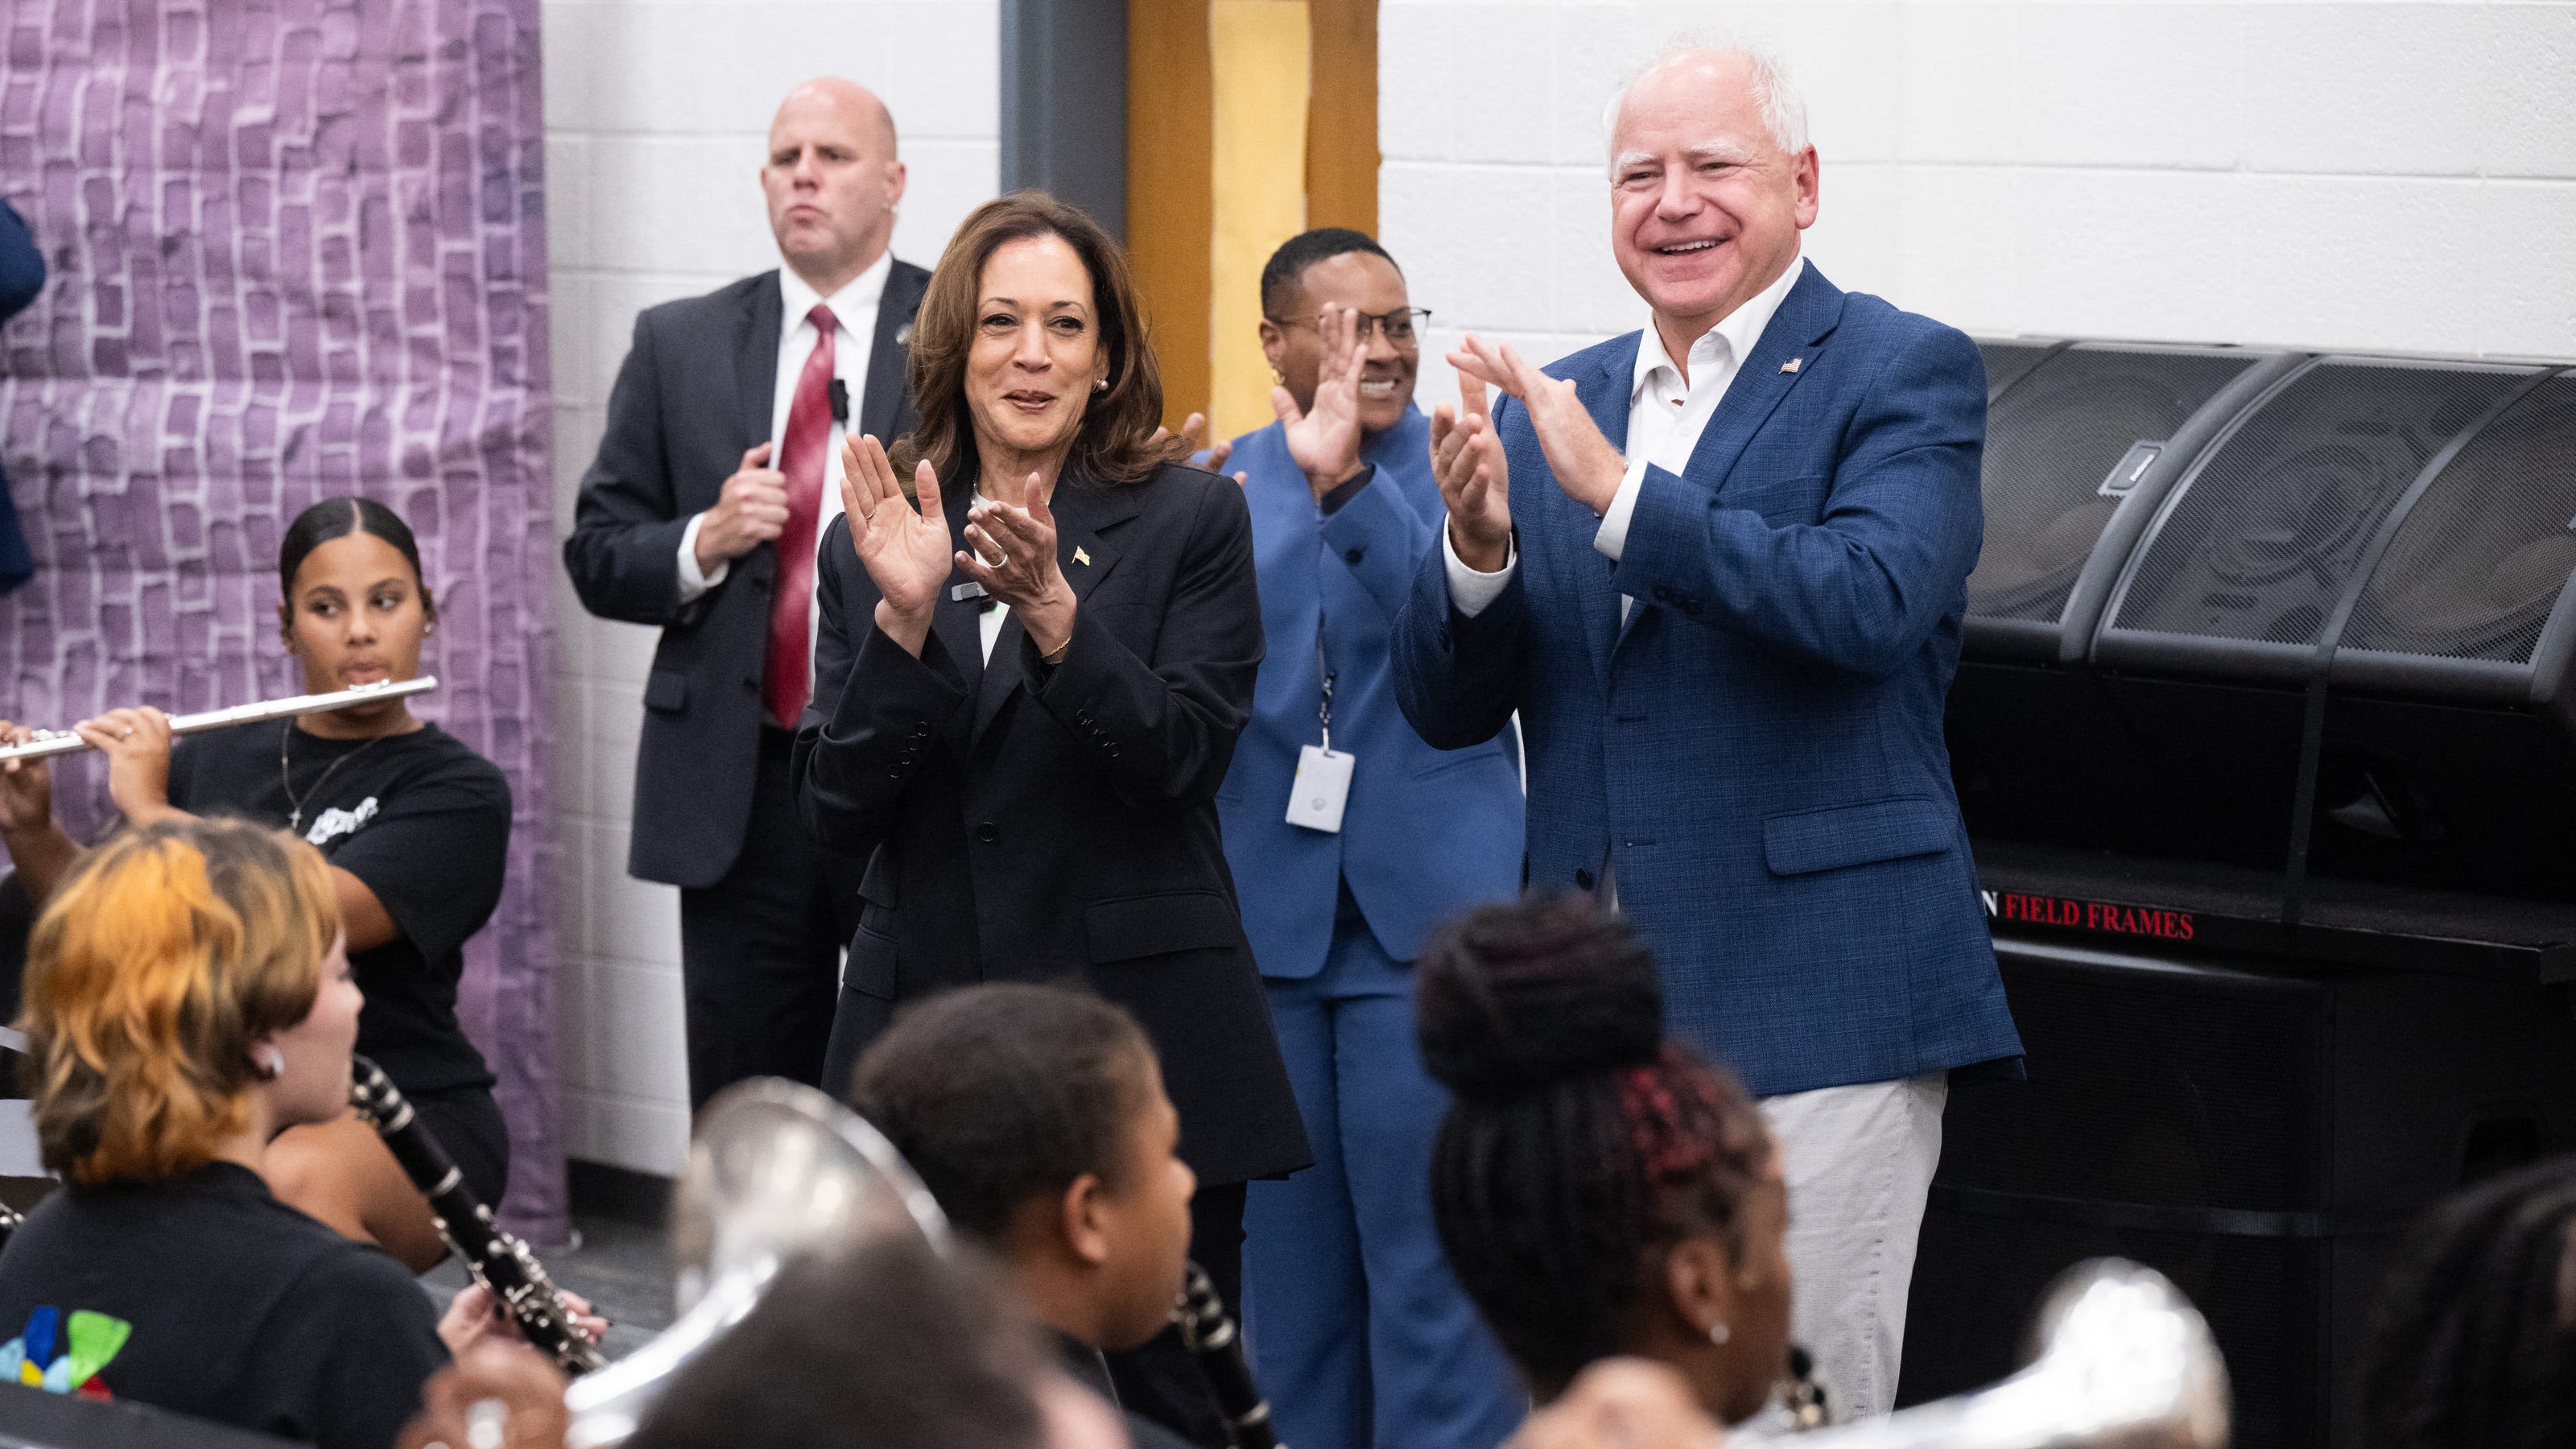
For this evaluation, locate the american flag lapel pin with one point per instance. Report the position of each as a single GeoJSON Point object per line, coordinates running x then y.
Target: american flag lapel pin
{"type": "Point", "coordinates": [1080, 557]}
{"type": "Point", "coordinates": [1792, 364]}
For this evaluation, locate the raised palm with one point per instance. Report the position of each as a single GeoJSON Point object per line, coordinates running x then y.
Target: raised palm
{"type": "Point", "coordinates": [1325, 439]}
{"type": "Point", "coordinates": [905, 551]}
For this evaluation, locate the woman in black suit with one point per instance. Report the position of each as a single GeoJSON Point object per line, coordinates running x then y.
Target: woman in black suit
{"type": "Point", "coordinates": [1023, 736]}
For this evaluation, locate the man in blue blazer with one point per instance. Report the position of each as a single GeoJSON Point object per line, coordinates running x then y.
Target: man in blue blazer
{"type": "Point", "coordinates": [1719, 567]}
{"type": "Point", "coordinates": [1359, 1333]}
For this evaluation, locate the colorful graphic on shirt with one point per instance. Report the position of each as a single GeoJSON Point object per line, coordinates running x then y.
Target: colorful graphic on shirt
{"type": "Point", "coordinates": [63, 1356]}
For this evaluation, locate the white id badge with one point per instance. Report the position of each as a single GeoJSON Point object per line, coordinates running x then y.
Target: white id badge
{"type": "Point", "coordinates": [1322, 787]}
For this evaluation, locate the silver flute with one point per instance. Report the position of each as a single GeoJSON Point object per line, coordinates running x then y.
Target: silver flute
{"type": "Point", "coordinates": [63, 742]}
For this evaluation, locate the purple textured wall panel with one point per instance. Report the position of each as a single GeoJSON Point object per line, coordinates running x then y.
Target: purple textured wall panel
{"type": "Point", "coordinates": [298, 249]}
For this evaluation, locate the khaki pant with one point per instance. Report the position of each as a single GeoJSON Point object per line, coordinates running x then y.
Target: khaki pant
{"type": "Point", "coordinates": [1859, 1162]}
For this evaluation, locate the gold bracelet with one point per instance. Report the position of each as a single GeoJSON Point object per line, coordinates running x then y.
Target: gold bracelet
{"type": "Point", "coordinates": [1055, 656]}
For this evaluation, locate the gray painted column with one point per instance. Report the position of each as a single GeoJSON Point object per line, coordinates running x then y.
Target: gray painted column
{"type": "Point", "coordinates": [1064, 103]}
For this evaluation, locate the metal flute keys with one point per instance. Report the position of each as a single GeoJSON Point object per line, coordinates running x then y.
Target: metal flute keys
{"type": "Point", "coordinates": [496, 1258]}
{"type": "Point", "coordinates": [63, 742]}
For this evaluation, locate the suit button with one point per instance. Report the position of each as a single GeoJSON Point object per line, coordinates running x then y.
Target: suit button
{"type": "Point", "coordinates": [921, 730]}
{"type": "Point", "coordinates": [1583, 880]}
{"type": "Point", "coordinates": [751, 686]}
{"type": "Point", "coordinates": [986, 833]}
{"type": "Point", "coordinates": [1353, 555]}
{"type": "Point", "coordinates": [1663, 595]}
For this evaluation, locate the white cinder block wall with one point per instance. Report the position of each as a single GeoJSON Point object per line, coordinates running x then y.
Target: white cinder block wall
{"type": "Point", "coordinates": [656, 115]}
{"type": "Point", "coordinates": [2397, 176]}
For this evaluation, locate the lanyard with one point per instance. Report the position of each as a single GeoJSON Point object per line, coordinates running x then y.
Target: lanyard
{"type": "Point", "coordinates": [1325, 711]}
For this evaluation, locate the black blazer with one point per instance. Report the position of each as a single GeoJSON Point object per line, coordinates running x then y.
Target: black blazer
{"type": "Point", "coordinates": [1023, 823]}
{"type": "Point", "coordinates": [695, 393]}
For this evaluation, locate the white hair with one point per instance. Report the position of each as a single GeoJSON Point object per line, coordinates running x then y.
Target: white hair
{"type": "Point", "coordinates": [1784, 111]}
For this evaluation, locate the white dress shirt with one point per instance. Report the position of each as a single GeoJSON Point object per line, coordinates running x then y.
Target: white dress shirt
{"type": "Point", "coordinates": [1666, 417]}
{"type": "Point", "coordinates": [854, 315]}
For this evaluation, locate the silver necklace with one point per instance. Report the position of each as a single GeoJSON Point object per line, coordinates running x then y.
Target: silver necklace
{"type": "Point", "coordinates": [295, 804]}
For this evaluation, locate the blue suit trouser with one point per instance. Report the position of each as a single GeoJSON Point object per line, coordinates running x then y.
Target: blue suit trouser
{"type": "Point", "coordinates": [1359, 1334]}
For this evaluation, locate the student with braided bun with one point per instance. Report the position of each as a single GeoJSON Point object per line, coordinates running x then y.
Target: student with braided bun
{"type": "Point", "coordinates": [2473, 1345]}
{"type": "Point", "coordinates": [1600, 1188]}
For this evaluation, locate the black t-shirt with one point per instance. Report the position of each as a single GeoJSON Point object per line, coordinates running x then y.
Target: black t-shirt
{"type": "Point", "coordinates": [420, 818]}
{"type": "Point", "coordinates": [205, 1295]}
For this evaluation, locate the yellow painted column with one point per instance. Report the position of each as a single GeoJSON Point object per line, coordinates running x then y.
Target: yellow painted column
{"type": "Point", "coordinates": [1263, 60]}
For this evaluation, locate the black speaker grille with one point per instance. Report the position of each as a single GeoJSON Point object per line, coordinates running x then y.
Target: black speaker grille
{"type": "Point", "coordinates": [2484, 554]}
{"type": "Point", "coordinates": [2210, 1093]}
{"type": "Point", "coordinates": [2007, 361]}
{"type": "Point", "coordinates": [2267, 534]}
{"type": "Point", "coordinates": [2050, 444]}
{"type": "Point", "coordinates": [1978, 1280]}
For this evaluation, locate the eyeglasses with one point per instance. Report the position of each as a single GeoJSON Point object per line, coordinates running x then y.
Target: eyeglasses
{"type": "Point", "coordinates": [1401, 327]}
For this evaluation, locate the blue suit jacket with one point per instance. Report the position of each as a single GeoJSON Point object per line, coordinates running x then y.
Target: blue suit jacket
{"type": "Point", "coordinates": [1426, 834]}
{"type": "Point", "coordinates": [1758, 752]}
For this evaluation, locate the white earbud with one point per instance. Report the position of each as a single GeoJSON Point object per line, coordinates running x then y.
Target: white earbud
{"type": "Point", "coordinates": [1718, 1332]}
{"type": "Point", "coordinates": [272, 1062]}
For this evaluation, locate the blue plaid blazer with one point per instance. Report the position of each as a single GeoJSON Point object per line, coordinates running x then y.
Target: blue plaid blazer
{"type": "Point", "coordinates": [1757, 753]}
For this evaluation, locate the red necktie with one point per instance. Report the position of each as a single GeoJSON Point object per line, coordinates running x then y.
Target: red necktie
{"type": "Point", "coordinates": [787, 679]}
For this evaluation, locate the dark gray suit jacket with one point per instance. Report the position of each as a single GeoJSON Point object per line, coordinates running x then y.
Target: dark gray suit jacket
{"type": "Point", "coordinates": [696, 392]}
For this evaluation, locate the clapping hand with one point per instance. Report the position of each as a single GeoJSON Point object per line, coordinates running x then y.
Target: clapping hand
{"type": "Point", "coordinates": [1011, 552]}
{"type": "Point", "coordinates": [1193, 429]}
{"type": "Point", "coordinates": [904, 550]}
{"type": "Point", "coordinates": [1475, 481]}
{"type": "Point", "coordinates": [1585, 464]}
{"type": "Point", "coordinates": [1325, 440]}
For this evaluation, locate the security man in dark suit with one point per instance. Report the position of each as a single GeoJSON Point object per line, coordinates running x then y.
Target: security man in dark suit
{"type": "Point", "coordinates": [719, 470]}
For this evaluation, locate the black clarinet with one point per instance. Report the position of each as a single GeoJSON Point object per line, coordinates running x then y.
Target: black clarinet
{"type": "Point", "coordinates": [1210, 1336]}
{"type": "Point", "coordinates": [1805, 1396]}
{"type": "Point", "coordinates": [496, 1258]}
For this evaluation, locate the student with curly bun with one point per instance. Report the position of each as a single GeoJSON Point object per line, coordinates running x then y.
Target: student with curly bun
{"type": "Point", "coordinates": [1600, 1189]}
{"type": "Point", "coordinates": [188, 997]}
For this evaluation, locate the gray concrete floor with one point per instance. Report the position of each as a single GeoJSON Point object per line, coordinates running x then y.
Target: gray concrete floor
{"type": "Point", "coordinates": [623, 1268]}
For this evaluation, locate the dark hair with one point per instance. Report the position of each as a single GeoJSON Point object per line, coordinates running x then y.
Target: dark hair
{"type": "Point", "coordinates": [338, 518]}
{"type": "Point", "coordinates": [1286, 269]}
{"type": "Point", "coordinates": [1580, 1145]}
{"type": "Point", "coordinates": [1116, 443]}
{"type": "Point", "coordinates": [1000, 1095]}
{"type": "Point", "coordinates": [886, 1346]}
{"type": "Point", "coordinates": [2473, 1340]}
